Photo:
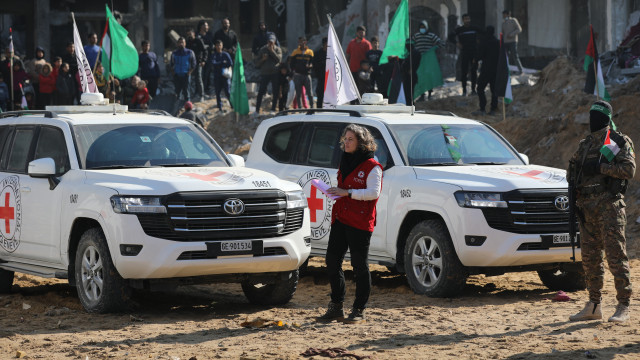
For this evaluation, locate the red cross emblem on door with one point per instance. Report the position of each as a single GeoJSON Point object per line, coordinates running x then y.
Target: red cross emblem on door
{"type": "Point", "coordinates": [314, 203]}
{"type": "Point", "coordinates": [7, 213]}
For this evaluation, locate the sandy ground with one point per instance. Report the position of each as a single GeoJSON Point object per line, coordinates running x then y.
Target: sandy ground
{"type": "Point", "coordinates": [504, 317]}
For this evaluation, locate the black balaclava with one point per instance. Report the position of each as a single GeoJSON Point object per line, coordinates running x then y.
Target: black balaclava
{"type": "Point", "coordinates": [599, 115]}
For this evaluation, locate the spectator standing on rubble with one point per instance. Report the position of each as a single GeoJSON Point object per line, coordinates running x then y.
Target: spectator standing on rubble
{"type": "Point", "coordinates": [148, 68]}
{"type": "Point", "coordinates": [424, 40]}
{"type": "Point", "coordinates": [301, 62]}
{"type": "Point", "coordinates": [196, 44]}
{"type": "Point", "coordinates": [268, 60]}
{"type": "Point", "coordinates": [262, 38]}
{"type": "Point", "coordinates": [488, 53]}
{"type": "Point", "coordinates": [319, 70]}
{"type": "Point", "coordinates": [228, 37]}
{"type": "Point", "coordinates": [510, 30]}
{"type": "Point", "coordinates": [222, 67]}
{"type": "Point", "coordinates": [34, 68]}
{"type": "Point", "coordinates": [373, 56]}
{"type": "Point", "coordinates": [357, 49]}
{"type": "Point", "coordinates": [467, 39]}
{"type": "Point", "coordinates": [183, 62]}
{"type": "Point", "coordinates": [207, 40]}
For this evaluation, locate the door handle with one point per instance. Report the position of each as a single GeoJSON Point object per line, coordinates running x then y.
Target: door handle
{"type": "Point", "coordinates": [25, 189]}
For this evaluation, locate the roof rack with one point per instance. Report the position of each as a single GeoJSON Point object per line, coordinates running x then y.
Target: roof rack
{"type": "Point", "coordinates": [151, 111]}
{"type": "Point", "coordinates": [436, 112]}
{"type": "Point", "coordinates": [353, 113]}
{"type": "Point", "coordinates": [49, 114]}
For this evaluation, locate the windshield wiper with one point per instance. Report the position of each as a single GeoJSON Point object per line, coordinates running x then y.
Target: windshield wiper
{"type": "Point", "coordinates": [115, 167]}
{"type": "Point", "coordinates": [438, 164]}
{"type": "Point", "coordinates": [487, 163]}
{"type": "Point", "coordinates": [180, 165]}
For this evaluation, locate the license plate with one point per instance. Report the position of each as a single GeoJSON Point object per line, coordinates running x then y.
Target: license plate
{"type": "Point", "coordinates": [232, 246]}
{"type": "Point", "coordinates": [561, 239]}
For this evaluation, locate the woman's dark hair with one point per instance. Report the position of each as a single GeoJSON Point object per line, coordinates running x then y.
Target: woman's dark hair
{"type": "Point", "coordinates": [366, 141]}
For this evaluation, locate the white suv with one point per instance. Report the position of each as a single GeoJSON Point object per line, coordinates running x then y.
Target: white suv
{"type": "Point", "coordinates": [457, 198]}
{"type": "Point", "coordinates": [114, 200]}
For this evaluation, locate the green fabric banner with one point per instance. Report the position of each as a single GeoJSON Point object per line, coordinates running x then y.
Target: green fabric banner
{"type": "Point", "coordinates": [239, 99]}
{"type": "Point", "coordinates": [429, 74]}
{"type": "Point", "coordinates": [124, 56]}
{"type": "Point", "coordinates": [398, 34]}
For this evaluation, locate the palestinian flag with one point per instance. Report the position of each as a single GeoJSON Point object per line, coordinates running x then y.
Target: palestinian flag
{"type": "Point", "coordinates": [503, 76]}
{"type": "Point", "coordinates": [611, 146]}
{"type": "Point", "coordinates": [595, 81]}
{"type": "Point", "coordinates": [396, 88]}
{"type": "Point", "coordinates": [105, 51]}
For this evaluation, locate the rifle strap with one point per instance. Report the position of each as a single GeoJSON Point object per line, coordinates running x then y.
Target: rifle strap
{"type": "Point", "coordinates": [584, 157]}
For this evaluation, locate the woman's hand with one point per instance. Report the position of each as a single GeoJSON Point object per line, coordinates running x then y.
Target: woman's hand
{"type": "Point", "coordinates": [338, 191]}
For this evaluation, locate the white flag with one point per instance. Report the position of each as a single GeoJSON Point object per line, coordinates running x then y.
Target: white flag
{"type": "Point", "coordinates": [84, 69]}
{"type": "Point", "coordinates": [339, 86]}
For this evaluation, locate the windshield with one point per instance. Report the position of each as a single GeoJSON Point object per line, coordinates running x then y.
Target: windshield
{"type": "Point", "coordinates": [104, 146]}
{"type": "Point", "coordinates": [427, 144]}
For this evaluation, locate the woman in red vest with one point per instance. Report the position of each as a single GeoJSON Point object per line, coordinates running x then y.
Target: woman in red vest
{"type": "Point", "coordinates": [353, 219]}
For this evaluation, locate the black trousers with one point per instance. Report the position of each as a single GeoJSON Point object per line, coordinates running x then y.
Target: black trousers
{"type": "Point", "coordinates": [264, 83]}
{"type": "Point", "coordinates": [467, 62]}
{"type": "Point", "coordinates": [484, 79]}
{"type": "Point", "coordinates": [341, 238]}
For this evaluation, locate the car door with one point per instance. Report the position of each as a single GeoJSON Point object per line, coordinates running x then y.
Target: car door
{"type": "Point", "coordinates": [37, 208]}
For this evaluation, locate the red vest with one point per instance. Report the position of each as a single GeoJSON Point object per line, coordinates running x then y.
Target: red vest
{"type": "Point", "coordinates": [356, 213]}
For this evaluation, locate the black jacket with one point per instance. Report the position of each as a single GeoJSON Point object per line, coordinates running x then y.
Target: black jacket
{"type": "Point", "coordinates": [197, 46]}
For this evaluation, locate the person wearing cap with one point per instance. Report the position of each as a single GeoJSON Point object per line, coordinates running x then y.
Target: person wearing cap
{"type": "Point", "coordinates": [262, 38]}
{"type": "Point", "coordinates": [601, 170]}
{"type": "Point", "coordinates": [191, 115]}
{"type": "Point", "coordinates": [268, 60]}
{"type": "Point", "coordinates": [357, 49]}
{"type": "Point", "coordinates": [424, 40]}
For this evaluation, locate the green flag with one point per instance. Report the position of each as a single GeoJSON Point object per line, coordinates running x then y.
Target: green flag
{"type": "Point", "coordinates": [239, 99]}
{"type": "Point", "coordinates": [429, 75]}
{"type": "Point", "coordinates": [124, 56]}
{"type": "Point", "coordinates": [398, 35]}
{"type": "Point", "coordinates": [104, 60]}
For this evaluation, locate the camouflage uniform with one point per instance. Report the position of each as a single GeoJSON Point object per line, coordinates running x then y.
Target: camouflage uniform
{"type": "Point", "coordinates": [603, 217]}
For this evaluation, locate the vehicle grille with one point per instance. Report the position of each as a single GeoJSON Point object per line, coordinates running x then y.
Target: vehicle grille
{"type": "Point", "coordinates": [200, 217]}
{"type": "Point", "coordinates": [199, 255]}
{"type": "Point", "coordinates": [529, 212]}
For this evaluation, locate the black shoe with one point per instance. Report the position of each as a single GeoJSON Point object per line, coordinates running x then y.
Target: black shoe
{"type": "Point", "coordinates": [334, 312]}
{"type": "Point", "coordinates": [356, 317]}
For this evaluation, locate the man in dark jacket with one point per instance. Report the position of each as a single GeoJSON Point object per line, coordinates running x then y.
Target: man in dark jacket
{"type": "Point", "coordinates": [196, 45]}
{"type": "Point", "coordinates": [148, 68]}
{"type": "Point", "coordinates": [262, 38]}
{"type": "Point", "coordinates": [488, 53]}
{"type": "Point", "coordinates": [183, 61]}
{"type": "Point", "coordinates": [319, 70]}
{"type": "Point", "coordinates": [207, 40]}
{"type": "Point", "coordinates": [268, 60]}
{"type": "Point", "coordinates": [228, 37]}
{"type": "Point", "coordinates": [467, 39]}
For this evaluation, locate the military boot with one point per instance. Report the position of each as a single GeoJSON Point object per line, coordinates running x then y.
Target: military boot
{"type": "Point", "coordinates": [591, 311]}
{"type": "Point", "coordinates": [621, 314]}
{"type": "Point", "coordinates": [334, 312]}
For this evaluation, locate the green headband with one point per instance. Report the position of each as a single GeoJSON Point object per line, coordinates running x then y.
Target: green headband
{"type": "Point", "coordinates": [603, 109]}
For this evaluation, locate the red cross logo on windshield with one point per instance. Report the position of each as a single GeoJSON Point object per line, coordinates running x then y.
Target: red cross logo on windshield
{"type": "Point", "coordinates": [7, 213]}
{"type": "Point", "coordinates": [209, 177]}
{"type": "Point", "coordinates": [530, 174]}
{"type": "Point", "coordinates": [314, 203]}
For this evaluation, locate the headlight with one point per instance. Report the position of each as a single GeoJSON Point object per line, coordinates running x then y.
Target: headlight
{"type": "Point", "coordinates": [137, 205]}
{"type": "Point", "coordinates": [296, 199]}
{"type": "Point", "coordinates": [480, 200]}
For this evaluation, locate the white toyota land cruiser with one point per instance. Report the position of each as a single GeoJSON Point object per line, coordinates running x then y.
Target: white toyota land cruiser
{"type": "Point", "coordinates": [457, 198]}
{"type": "Point", "coordinates": [114, 200]}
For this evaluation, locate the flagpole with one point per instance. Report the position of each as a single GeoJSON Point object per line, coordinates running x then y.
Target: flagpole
{"type": "Point", "coordinates": [504, 111]}
{"type": "Point", "coordinates": [11, 68]}
{"type": "Point", "coordinates": [410, 58]}
{"type": "Point", "coordinates": [342, 53]}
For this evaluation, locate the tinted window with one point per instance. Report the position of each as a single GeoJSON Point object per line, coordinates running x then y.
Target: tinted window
{"type": "Point", "coordinates": [281, 140]}
{"type": "Point", "coordinates": [322, 150]}
{"type": "Point", "coordinates": [382, 152]}
{"type": "Point", "coordinates": [51, 144]}
{"type": "Point", "coordinates": [19, 152]}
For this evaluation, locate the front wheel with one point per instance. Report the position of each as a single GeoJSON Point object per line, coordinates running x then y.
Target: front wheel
{"type": "Point", "coordinates": [100, 288]}
{"type": "Point", "coordinates": [6, 281]}
{"type": "Point", "coordinates": [277, 293]}
{"type": "Point", "coordinates": [431, 264]}
{"type": "Point", "coordinates": [562, 279]}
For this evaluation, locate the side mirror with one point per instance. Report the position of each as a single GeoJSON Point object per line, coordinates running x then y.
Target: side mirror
{"type": "Point", "coordinates": [236, 160]}
{"type": "Point", "coordinates": [42, 168]}
{"type": "Point", "coordinates": [524, 158]}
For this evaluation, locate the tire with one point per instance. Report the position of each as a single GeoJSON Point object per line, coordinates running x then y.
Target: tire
{"type": "Point", "coordinates": [431, 264]}
{"type": "Point", "coordinates": [278, 293]}
{"type": "Point", "coordinates": [100, 288]}
{"type": "Point", "coordinates": [560, 279]}
{"type": "Point", "coordinates": [6, 281]}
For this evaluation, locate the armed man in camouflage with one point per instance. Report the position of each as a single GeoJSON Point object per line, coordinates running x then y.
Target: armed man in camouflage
{"type": "Point", "coordinates": [601, 169]}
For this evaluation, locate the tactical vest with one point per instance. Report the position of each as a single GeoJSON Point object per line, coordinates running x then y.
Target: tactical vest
{"type": "Point", "coordinates": [598, 183]}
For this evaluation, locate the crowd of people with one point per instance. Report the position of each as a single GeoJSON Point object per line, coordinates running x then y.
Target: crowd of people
{"type": "Point", "coordinates": [202, 64]}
